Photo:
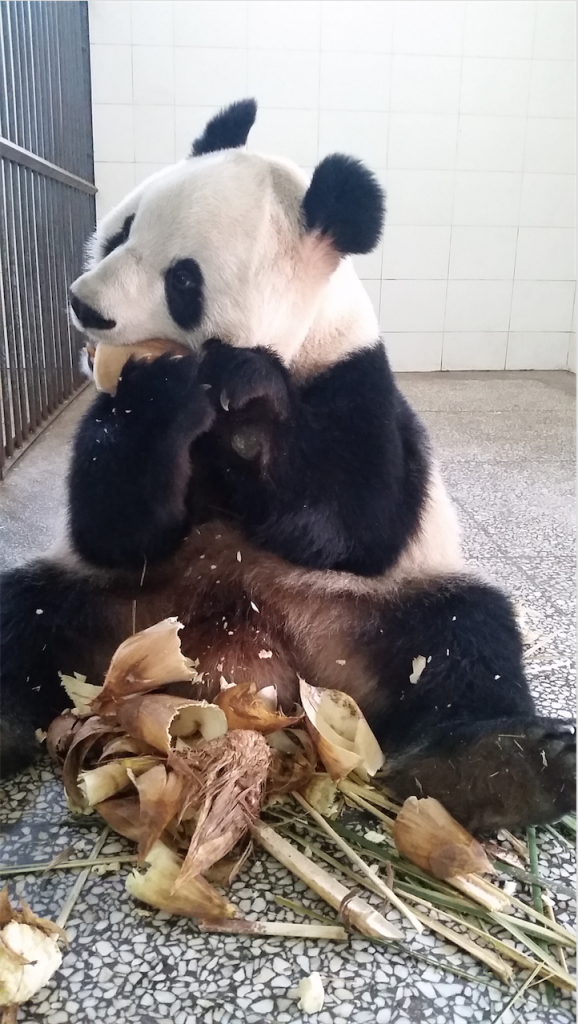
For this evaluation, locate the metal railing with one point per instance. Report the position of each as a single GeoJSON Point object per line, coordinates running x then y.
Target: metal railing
{"type": "Point", "coordinates": [47, 207]}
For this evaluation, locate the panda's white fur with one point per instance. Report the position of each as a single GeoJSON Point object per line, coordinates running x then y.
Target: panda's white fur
{"type": "Point", "coordinates": [267, 282]}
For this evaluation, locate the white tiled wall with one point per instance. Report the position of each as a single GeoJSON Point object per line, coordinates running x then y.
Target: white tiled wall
{"type": "Point", "coordinates": [464, 108]}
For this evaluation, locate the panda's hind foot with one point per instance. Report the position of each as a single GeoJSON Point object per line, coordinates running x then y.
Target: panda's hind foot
{"type": "Point", "coordinates": [505, 774]}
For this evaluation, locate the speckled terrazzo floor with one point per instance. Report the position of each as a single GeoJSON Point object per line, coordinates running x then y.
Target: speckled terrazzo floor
{"type": "Point", "coordinates": [506, 446]}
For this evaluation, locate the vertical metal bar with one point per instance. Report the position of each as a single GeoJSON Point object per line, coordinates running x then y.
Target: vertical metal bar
{"type": "Point", "coordinates": [8, 71]}
{"type": "Point", "coordinates": [32, 225]}
{"type": "Point", "coordinates": [7, 430]}
{"type": "Point", "coordinates": [36, 18]}
{"type": "Point", "coordinates": [15, 370]}
{"type": "Point", "coordinates": [88, 144]}
{"type": "Point", "coordinates": [18, 13]}
{"type": "Point", "coordinates": [42, 226]}
{"type": "Point", "coordinates": [20, 127]}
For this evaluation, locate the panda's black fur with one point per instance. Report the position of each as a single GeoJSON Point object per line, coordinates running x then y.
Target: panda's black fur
{"type": "Point", "coordinates": [271, 510]}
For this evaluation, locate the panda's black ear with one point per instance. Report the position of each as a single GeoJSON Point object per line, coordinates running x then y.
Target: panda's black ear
{"type": "Point", "coordinates": [228, 129]}
{"type": "Point", "coordinates": [346, 203]}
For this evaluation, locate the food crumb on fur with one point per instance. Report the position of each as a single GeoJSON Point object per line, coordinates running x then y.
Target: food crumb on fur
{"type": "Point", "coordinates": [418, 665]}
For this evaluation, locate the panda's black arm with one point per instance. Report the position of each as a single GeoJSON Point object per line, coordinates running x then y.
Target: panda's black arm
{"type": "Point", "coordinates": [341, 476]}
{"type": "Point", "coordinates": [130, 467]}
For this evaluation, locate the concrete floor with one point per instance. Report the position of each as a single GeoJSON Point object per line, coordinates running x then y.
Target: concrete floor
{"type": "Point", "coordinates": [506, 445]}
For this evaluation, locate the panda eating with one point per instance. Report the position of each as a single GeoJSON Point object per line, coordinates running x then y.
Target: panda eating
{"type": "Point", "coordinates": [274, 490]}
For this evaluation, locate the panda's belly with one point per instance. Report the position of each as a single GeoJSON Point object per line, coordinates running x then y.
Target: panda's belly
{"type": "Point", "coordinates": [250, 616]}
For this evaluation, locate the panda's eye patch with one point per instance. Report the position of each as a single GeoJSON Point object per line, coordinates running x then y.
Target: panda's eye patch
{"type": "Point", "coordinates": [119, 238]}
{"type": "Point", "coordinates": [184, 288]}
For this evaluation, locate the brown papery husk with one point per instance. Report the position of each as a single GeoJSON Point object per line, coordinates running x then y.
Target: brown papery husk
{"type": "Point", "coordinates": [158, 719]}
{"type": "Point", "coordinates": [60, 735]}
{"type": "Point", "coordinates": [161, 794]}
{"type": "Point", "coordinates": [293, 761]}
{"type": "Point", "coordinates": [197, 898]}
{"type": "Point", "coordinates": [244, 708]}
{"type": "Point", "coordinates": [427, 835]}
{"type": "Point", "coordinates": [230, 775]}
{"type": "Point", "coordinates": [92, 731]}
{"type": "Point", "coordinates": [122, 813]}
{"type": "Point", "coordinates": [123, 746]}
{"type": "Point", "coordinates": [225, 871]}
{"type": "Point", "coordinates": [144, 662]}
{"type": "Point", "coordinates": [108, 360]}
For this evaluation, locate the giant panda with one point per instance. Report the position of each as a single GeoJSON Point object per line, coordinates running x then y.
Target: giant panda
{"type": "Point", "coordinates": [274, 489]}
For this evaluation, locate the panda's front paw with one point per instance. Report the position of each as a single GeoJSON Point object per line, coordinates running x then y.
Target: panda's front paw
{"type": "Point", "coordinates": [237, 377]}
{"type": "Point", "coordinates": [165, 391]}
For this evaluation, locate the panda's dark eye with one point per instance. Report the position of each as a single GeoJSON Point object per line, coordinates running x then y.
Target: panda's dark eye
{"type": "Point", "coordinates": [184, 292]}
{"type": "Point", "coordinates": [183, 279]}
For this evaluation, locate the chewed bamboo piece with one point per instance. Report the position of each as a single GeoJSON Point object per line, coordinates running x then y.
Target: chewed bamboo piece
{"type": "Point", "coordinates": [340, 732]}
{"type": "Point", "coordinates": [427, 835]}
{"type": "Point", "coordinates": [29, 954]}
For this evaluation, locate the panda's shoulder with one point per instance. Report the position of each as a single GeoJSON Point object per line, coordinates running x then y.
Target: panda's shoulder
{"type": "Point", "coordinates": [363, 380]}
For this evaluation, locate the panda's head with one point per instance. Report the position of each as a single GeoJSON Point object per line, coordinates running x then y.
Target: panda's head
{"type": "Point", "coordinates": [236, 245]}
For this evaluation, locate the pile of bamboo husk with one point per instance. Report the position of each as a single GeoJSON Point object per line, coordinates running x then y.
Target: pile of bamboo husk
{"type": "Point", "coordinates": [200, 786]}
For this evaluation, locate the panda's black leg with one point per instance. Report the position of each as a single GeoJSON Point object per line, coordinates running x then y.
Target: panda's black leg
{"type": "Point", "coordinates": [465, 729]}
{"type": "Point", "coordinates": [51, 621]}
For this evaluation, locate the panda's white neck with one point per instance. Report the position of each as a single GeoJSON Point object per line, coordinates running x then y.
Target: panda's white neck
{"type": "Point", "coordinates": [344, 322]}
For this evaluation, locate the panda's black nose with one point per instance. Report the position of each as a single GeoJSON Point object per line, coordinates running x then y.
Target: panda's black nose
{"type": "Point", "coordinates": [88, 316]}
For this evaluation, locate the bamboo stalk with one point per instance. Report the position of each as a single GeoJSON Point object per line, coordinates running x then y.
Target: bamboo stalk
{"type": "Point", "coordinates": [300, 908]}
{"type": "Point", "coordinates": [77, 887]}
{"type": "Point", "coordinates": [533, 852]}
{"type": "Point", "coordinates": [531, 912]}
{"type": "Point", "coordinates": [559, 976]}
{"type": "Point", "coordinates": [559, 951]}
{"type": "Point", "coordinates": [491, 960]}
{"type": "Point", "coordinates": [526, 876]}
{"type": "Point", "coordinates": [351, 790]}
{"type": "Point", "coordinates": [66, 865]}
{"type": "Point", "coordinates": [488, 895]}
{"type": "Point", "coordinates": [384, 890]}
{"type": "Point", "coordinates": [517, 844]}
{"type": "Point", "coordinates": [443, 965]}
{"type": "Point", "coordinates": [539, 930]}
{"type": "Point", "coordinates": [237, 926]}
{"type": "Point", "coordinates": [503, 947]}
{"type": "Point", "coordinates": [569, 822]}
{"type": "Point", "coordinates": [361, 914]}
{"type": "Point", "coordinates": [369, 794]}
{"type": "Point", "coordinates": [560, 837]}
{"type": "Point", "coordinates": [515, 997]}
